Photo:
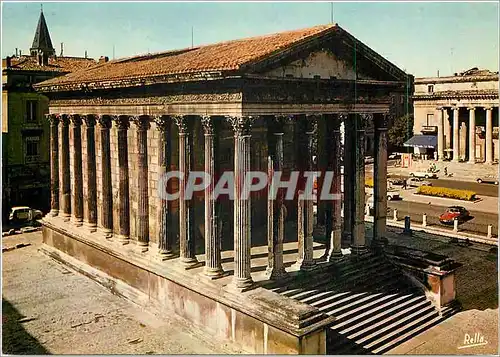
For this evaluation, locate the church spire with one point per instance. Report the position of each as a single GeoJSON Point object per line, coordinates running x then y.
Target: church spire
{"type": "Point", "coordinates": [42, 43]}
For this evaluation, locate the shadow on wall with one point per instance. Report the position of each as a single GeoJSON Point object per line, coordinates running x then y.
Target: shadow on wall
{"type": "Point", "coordinates": [16, 340]}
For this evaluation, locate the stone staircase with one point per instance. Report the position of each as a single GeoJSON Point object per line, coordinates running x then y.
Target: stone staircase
{"type": "Point", "coordinates": [375, 305]}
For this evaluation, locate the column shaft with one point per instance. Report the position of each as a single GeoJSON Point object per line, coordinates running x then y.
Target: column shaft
{"type": "Point", "coordinates": [472, 136]}
{"type": "Point", "coordinates": [186, 209]}
{"type": "Point", "coordinates": [122, 123]}
{"type": "Point", "coordinates": [65, 179]}
{"type": "Point", "coordinates": [213, 266]}
{"type": "Point", "coordinates": [334, 234]}
{"type": "Point", "coordinates": [91, 173]}
{"type": "Point", "coordinates": [143, 187]}
{"type": "Point", "coordinates": [440, 115]}
{"type": "Point", "coordinates": [305, 261]}
{"type": "Point", "coordinates": [106, 188]}
{"type": "Point", "coordinates": [54, 164]}
{"type": "Point", "coordinates": [456, 135]}
{"type": "Point", "coordinates": [380, 179]}
{"type": "Point", "coordinates": [77, 193]}
{"type": "Point", "coordinates": [242, 278]}
{"type": "Point", "coordinates": [276, 209]}
{"type": "Point", "coordinates": [359, 243]}
{"type": "Point", "coordinates": [164, 237]}
{"type": "Point", "coordinates": [489, 136]}
{"type": "Point", "coordinates": [349, 158]}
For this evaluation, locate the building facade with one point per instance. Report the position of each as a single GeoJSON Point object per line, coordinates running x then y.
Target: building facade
{"type": "Point", "coordinates": [25, 136]}
{"type": "Point", "coordinates": [257, 104]}
{"type": "Point", "coordinates": [457, 116]}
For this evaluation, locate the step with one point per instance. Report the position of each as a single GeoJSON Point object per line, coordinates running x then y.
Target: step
{"type": "Point", "coordinates": [400, 302]}
{"type": "Point", "coordinates": [413, 325]}
{"type": "Point", "coordinates": [422, 308]}
{"type": "Point", "coordinates": [338, 282]}
{"type": "Point", "coordinates": [412, 333]}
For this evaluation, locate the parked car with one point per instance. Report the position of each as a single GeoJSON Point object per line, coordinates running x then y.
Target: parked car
{"type": "Point", "coordinates": [417, 182]}
{"type": "Point", "coordinates": [397, 181]}
{"type": "Point", "coordinates": [392, 194]}
{"type": "Point", "coordinates": [423, 174]}
{"type": "Point", "coordinates": [488, 179]}
{"type": "Point", "coordinates": [453, 212]}
{"type": "Point", "coordinates": [395, 155]}
{"type": "Point", "coordinates": [24, 214]}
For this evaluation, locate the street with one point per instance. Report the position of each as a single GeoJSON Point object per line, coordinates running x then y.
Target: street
{"type": "Point", "coordinates": [478, 224]}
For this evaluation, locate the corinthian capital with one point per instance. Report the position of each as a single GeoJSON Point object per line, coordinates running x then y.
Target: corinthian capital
{"type": "Point", "coordinates": [208, 124]}
{"type": "Point", "coordinates": [104, 121]}
{"type": "Point", "coordinates": [181, 122]}
{"type": "Point", "coordinates": [122, 122]}
{"type": "Point", "coordinates": [242, 125]}
{"type": "Point", "coordinates": [142, 122]}
{"type": "Point", "coordinates": [162, 122]}
{"type": "Point", "coordinates": [53, 119]}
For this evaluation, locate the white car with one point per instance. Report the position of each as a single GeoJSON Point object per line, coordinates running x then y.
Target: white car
{"type": "Point", "coordinates": [392, 194]}
{"type": "Point", "coordinates": [423, 174]}
{"type": "Point", "coordinates": [23, 213]}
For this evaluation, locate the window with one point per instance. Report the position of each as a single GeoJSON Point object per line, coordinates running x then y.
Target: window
{"type": "Point", "coordinates": [317, 76]}
{"type": "Point", "coordinates": [430, 119]}
{"type": "Point", "coordinates": [430, 88]}
{"type": "Point", "coordinates": [32, 149]}
{"type": "Point", "coordinates": [31, 111]}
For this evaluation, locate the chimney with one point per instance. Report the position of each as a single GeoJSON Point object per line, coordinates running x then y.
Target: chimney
{"type": "Point", "coordinates": [62, 49]}
{"type": "Point", "coordinates": [16, 51]}
{"type": "Point", "coordinates": [8, 62]}
{"type": "Point", "coordinates": [85, 53]}
{"type": "Point", "coordinates": [438, 73]}
{"type": "Point", "coordinates": [103, 59]}
{"type": "Point", "coordinates": [20, 53]}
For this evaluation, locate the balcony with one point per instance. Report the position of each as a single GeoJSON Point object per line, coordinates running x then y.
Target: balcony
{"type": "Point", "coordinates": [429, 130]}
{"type": "Point", "coordinates": [31, 159]}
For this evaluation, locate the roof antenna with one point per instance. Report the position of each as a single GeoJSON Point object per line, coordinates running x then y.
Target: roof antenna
{"type": "Point", "coordinates": [192, 36]}
{"type": "Point", "coordinates": [113, 51]}
{"type": "Point", "coordinates": [331, 12]}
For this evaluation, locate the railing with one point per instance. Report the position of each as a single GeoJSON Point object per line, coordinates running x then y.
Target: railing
{"type": "Point", "coordinates": [32, 159]}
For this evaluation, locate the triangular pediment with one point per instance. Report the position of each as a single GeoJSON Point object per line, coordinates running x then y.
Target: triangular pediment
{"type": "Point", "coordinates": [333, 54]}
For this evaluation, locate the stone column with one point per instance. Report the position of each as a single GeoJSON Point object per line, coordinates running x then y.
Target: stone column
{"type": "Point", "coordinates": [441, 143]}
{"type": "Point", "coordinates": [77, 203]}
{"type": "Point", "coordinates": [122, 124]}
{"type": "Point", "coordinates": [186, 209]}
{"type": "Point", "coordinates": [380, 179]}
{"type": "Point", "coordinates": [65, 179]}
{"type": "Point", "coordinates": [275, 206]}
{"type": "Point", "coordinates": [91, 173]}
{"type": "Point", "coordinates": [164, 237]}
{"type": "Point", "coordinates": [305, 260]}
{"type": "Point", "coordinates": [447, 131]}
{"type": "Point", "coordinates": [349, 157]}
{"type": "Point", "coordinates": [456, 135]}
{"type": "Point", "coordinates": [143, 189]}
{"type": "Point", "coordinates": [489, 135]}
{"type": "Point", "coordinates": [54, 164]}
{"type": "Point", "coordinates": [358, 243]}
{"type": "Point", "coordinates": [472, 135]}
{"type": "Point", "coordinates": [213, 266]}
{"type": "Point", "coordinates": [334, 233]}
{"type": "Point", "coordinates": [242, 278]}
{"type": "Point", "coordinates": [106, 188]}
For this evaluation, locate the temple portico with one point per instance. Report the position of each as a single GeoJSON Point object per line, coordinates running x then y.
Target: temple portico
{"type": "Point", "coordinates": [270, 106]}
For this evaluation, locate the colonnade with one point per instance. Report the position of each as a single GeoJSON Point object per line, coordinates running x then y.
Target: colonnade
{"type": "Point", "coordinates": [351, 226]}
{"type": "Point", "coordinates": [453, 131]}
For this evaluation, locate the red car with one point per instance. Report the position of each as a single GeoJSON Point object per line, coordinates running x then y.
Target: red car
{"type": "Point", "coordinates": [453, 212]}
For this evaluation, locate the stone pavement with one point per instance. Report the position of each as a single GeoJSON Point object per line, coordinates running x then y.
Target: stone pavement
{"type": "Point", "coordinates": [47, 308]}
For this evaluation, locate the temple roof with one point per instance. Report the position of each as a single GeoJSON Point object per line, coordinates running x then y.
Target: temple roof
{"type": "Point", "coordinates": [55, 64]}
{"type": "Point", "coordinates": [42, 37]}
{"type": "Point", "coordinates": [224, 57]}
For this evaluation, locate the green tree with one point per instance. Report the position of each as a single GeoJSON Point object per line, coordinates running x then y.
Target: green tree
{"type": "Point", "coordinates": [400, 131]}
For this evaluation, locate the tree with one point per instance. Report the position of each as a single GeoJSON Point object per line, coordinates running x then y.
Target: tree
{"type": "Point", "coordinates": [400, 131]}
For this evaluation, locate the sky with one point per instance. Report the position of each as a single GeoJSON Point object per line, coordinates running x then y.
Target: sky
{"type": "Point", "coordinates": [421, 38]}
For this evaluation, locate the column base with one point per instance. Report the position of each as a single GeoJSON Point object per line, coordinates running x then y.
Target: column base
{"type": "Point", "coordinates": [305, 265]}
{"type": "Point", "coordinates": [189, 263]}
{"type": "Point", "coordinates": [122, 239]}
{"type": "Point", "coordinates": [92, 227]}
{"type": "Point", "coordinates": [240, 285]}
{"type": "Point", "coordinates": [335, 257]}
{"type": "Point", "coordinates": [54, 212]}
{"type": "Point", "coordinates": [471, 162]}
{"type": "Point", "coordinates": [276, 274]}
{"type": "Point", "coordinates": [166, 254]}
{"type": "Point", "coordinates": [66, 217]}
{"type": "Point", "coordinates": [213, 273]}
{"type": "Point", "coordinates": [77, 221]}
{"type": "Point", "coordinates": [142, 246]}
{"type": "Point", "coordinates": [359, 250]}
{"type": "Point", "coordinates": [106, 232]}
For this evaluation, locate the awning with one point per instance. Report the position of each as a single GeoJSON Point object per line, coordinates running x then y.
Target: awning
{"type": "Point", "coordinates": [422, 141]}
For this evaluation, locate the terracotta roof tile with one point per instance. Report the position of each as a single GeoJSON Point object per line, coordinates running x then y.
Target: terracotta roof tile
{"type": "Point", "coordinates": [56, 64]}
{"type": "Point", "coordinates": [224, 56]}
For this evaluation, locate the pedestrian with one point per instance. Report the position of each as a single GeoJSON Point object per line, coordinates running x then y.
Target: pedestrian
{"type": "Point", "coordinates": [446, 171]}
{"type": "Point", "coordinates": [404, 185]}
